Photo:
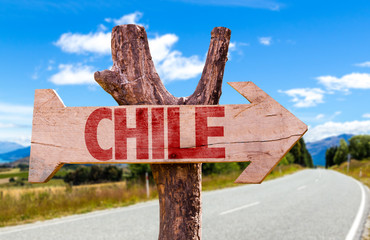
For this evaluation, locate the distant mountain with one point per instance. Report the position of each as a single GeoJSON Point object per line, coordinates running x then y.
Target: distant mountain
{"type": "Point", "coordinates": [15, 155]}
{"type": "Point", "coordinates": [9, 147]}
{"type": "Point", "coordinates": [318, 149]}
{"type": "Point", "coordinates": [24, 161]}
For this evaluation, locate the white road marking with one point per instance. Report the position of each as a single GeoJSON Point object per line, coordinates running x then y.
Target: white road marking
{"type": "Point", "coordinates": [239, 208]}
{"type": "Point", "coordinates": [72, 219]}
{"type": "Point", "coordinates": [361, 210]}
{"type": "Point", "coordinates": [301, 187]}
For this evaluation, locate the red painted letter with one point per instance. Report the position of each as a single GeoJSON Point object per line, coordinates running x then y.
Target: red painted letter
{"type": "Point", "coordinates": [91, 132]}
{"type": "Point", "coordinates": [202, 132]}
{"type": "Point", "coordinates": [158, 133]}
{"type": "Point", "coordinates": [122, 133]}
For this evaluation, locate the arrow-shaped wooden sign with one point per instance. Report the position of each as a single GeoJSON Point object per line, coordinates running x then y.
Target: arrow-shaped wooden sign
{"type": "Point", "coordinates": [261, 132]}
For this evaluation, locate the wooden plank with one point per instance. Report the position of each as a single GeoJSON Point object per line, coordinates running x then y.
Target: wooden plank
{"type": "Point", "coordinates": [261, 132]}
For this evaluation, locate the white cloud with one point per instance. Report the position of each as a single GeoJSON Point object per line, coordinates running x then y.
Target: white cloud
{"type": "Point", "coordinates": [15, 121]}
{"type": "Point", "coordinates": [170, 64]}
{"type": "Point", "coordinates": [131, 18]}
{"type": "Point", "coordinates": [98, 42]}
{"type": "Point", "coordinates": [330, 129]}
{"type": "Point", "coordinates": [17, 109]}
{"type": "Point", "coordinates": [23, 138]}
{"type": "Point", "coordinates": [37, 72]}
{"type": "Point", "coordinates": [177, 67]}
{"type": "Point", "coordinates": [236, 47]}
{"type": "Point", "coordinates": [7, 125]}
{"type": "Point", "coordinates": [337, 113]}
{"type": "Point", "coordinates": [265, 41]}
{"type": "Point", "coordinates": [35, 76]}
{"type": "Point", "coordinates": [160, 46]}
{"type": "Point", "coordinates": [232, 46]}
{"type": "Point", "coordinates": [366, 115]}
{"type": "Point", "coordinates": [102, 28]}
{"type": "Point", "coordinates": [50, 65]}
{"type": "Point", "coordinates": [73, 74]}
{"type": "Point", "coordinates": [319, 116]}
{"type": "Point", "coordinates": [305, 97]}
{"type": "Point", "coordinates": [364, 64]}
{"type": "Point", "coordinates": [346, 82]}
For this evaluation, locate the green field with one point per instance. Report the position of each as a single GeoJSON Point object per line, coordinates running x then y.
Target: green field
{"type": "Point", "coordinates": [32, 202]}
{"type": "Point", "coordinates": [14, 173]}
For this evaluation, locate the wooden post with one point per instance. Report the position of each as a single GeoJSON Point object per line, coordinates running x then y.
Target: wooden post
{"type": "Point", "coordinates": [133, 80]}
{"type": "Point", "coordinates": [147, 184]}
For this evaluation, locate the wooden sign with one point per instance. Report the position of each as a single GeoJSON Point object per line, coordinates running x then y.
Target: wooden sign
{"type": "Point", "coordinates": [261, 132]}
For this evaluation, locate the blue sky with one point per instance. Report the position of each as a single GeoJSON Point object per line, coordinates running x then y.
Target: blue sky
{"type": "Point", "coordinates": [312, 56]}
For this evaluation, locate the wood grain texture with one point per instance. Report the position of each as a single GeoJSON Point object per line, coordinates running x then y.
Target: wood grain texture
{"type": "Point", "coordinates": [261, 132]}
{"type": "Point", "coordinates": [133, 80]}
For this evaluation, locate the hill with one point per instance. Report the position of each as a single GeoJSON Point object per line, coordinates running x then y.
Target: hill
{"type": "Point", "coordinates": [6, 147]}
{"type": "Point", "coordinates": [24, 161]}
{"type": "Point", "coordinates": [15, 155]}
{"type": "Point", "coordinates": [318, 149]}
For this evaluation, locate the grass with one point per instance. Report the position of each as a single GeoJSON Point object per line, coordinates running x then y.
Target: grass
{"type": "Point", "coordinates": [9, 170]}
{"type": "Point", "coordinates": [213, 182]}
{"type": "Point", "coordinates": [14, 173]}
{"type": "Point", "coordinates": [25, 184]}
{"type": "Point", "coordinates": [359, 170]}
{"type": "Point", "coordinates": [19, 174]}
{"type": "Point", "coordinates": [29, 203]}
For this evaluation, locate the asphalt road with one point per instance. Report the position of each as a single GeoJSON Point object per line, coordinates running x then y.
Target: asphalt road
{"type": "Point", "coordinates": [311, 204]}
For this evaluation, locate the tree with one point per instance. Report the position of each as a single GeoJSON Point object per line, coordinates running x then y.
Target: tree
{"type": "Point", "coordinates": [243, 165]}
{"type": "Point", "coordinates": [301, 154]}
{"type": "Point", "coordinates": [219, 168]}
{"type": "Point", "coordinates": [139, 170]}
{"type": "Point", "coordinates": [112, 174]}
{"type": "Point", "coordinates": [296, 151]}
{"type": "Point", "coordinates": [77, 177]}
{"type": "Point", "coordinates": [93, 174]}
{"type": "Point", "coordinates": [329, 156]}
{"type": "Point", "coordinates": [359, 146]}
{"type": "Point", "coordinates": [288, 159]}
{"type": "Point", "coordinates": [23, 167]}
{"type": "Point", "coordinates": [341, 153]}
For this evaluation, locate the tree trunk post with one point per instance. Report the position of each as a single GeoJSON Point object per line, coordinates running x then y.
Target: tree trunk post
{"type": "Point", "coordinates": [133, 80]}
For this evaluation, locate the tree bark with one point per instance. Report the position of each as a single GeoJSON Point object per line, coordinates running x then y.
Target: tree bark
{"type": "Point", "coordinates": [133, 80]}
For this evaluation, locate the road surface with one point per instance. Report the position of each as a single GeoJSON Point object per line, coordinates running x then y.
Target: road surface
{"type": "Point", "coordinates": [310, 204]}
